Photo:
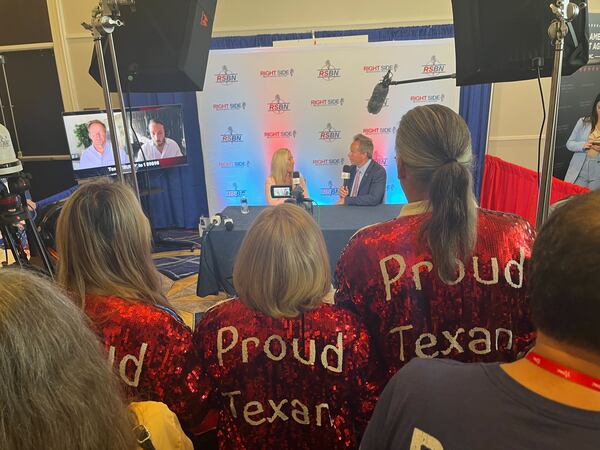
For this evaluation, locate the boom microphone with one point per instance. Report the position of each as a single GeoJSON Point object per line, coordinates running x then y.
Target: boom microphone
{"type": "Point", "coordinates": [380, 93]}
{"type": "Point", "coordinates": [346, 176]}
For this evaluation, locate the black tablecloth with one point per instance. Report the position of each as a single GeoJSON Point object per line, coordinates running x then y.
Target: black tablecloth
{"type": "Point", "coordinates": [220, 246]}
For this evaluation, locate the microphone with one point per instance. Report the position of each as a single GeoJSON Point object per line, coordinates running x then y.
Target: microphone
{"type": "Point", "coordinates": [380, 93]}
{"type": "Point", "coordinates": [221, 218]}
{"type": "Point", "coordinates": [297, 191]}
{"type": "Point", "coordinates": [346, 176]}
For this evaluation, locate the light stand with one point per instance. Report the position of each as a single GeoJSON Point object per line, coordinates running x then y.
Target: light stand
{"type": "Point", "coordinates": [105, 17]}
{"type": "Point", "coordinates": [11, 108]}
{"type": "Point", "coordinates": [565, 12]}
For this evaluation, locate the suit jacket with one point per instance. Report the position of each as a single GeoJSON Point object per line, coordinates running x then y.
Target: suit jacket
{"type": "Point", "coordinates": [372, 186]}
{"type": "Point", "coordinates": [579, 136]}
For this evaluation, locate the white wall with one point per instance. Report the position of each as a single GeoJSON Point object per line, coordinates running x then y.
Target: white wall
{"type": "Point", "coordinates": [516, 109]}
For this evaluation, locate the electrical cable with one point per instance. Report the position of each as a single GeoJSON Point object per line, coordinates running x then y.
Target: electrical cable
{"type": "Point", "coordinates": [139, 145]}
{"type": "Point", "coordinates": [539, 152]}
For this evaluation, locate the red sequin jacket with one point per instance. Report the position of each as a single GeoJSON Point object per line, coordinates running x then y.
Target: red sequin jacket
{"type": "Point", "coordinates": [152, 352]}
{"type": "Point", "coordinates": [388, 279]}
{"type": "Point", "coordinates": [301, 383]}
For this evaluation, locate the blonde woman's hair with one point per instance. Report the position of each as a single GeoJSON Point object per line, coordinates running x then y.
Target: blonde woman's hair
{"type": "Point", "coordinates": [282, 268]}
{"type": "Point", "coordinates": [57, 391]}
{"type": "Point", "coordinates": [279, 162]}
{"type": "Point", "coordinates": [435, 145]}
{"type": "Point", "coordinates": [104, 245]}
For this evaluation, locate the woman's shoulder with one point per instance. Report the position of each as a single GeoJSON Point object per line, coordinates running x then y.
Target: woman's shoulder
{"type": "Point", "coordinates": [333, 318]}
{"type": "Point", "coordinates": [270, 179]}
{"type": "Point", "coordinates": [398, 228]}
{"type": "Point", "coordinates": [224, 310]}
{"type": "Point", "coordinates": [498, 224]}
{"type": "Point", "coordinates": [503, 218]}
{"type": "Point", "coordinates": [133, 311]}
{"type": "Point", "coordinates": [584, 122]}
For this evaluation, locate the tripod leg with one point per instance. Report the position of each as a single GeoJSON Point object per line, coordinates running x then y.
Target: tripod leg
{"type": "Point", "coordinates": [12, 242]}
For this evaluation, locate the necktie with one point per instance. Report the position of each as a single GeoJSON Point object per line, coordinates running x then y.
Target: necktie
{"type": "Point", "coordinates": [356, 184]}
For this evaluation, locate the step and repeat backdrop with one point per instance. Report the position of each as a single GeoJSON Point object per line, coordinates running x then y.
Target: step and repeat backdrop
{"type": "Point", "coordinates": [312, 100]}
{"type": "Point", "coordinates": [577, 95]}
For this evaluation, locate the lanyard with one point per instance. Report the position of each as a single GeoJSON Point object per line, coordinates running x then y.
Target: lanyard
{"type": "Point", "coordinates": [564, 372]}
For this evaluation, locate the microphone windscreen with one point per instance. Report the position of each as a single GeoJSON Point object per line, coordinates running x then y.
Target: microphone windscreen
{"type": "Point", "coordinates": [295, 178]}
{"type": "Point", "coordinates": [346, 172]}
{"type": "Point", "coordinates": [378, 97]}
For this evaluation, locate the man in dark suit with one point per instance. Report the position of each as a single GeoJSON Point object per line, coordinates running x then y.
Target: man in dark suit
{"type": "Point", "coordinates": [367, 177]}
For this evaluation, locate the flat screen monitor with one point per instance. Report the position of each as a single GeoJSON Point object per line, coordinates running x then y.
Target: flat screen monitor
{"type": "Point", "coordinates": [159, 130]}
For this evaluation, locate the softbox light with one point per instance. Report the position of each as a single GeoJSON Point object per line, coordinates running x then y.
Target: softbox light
{"type": "Point", "coordinates": [497, 41]}
{"type": "Point", "coordinates": [164, 44]}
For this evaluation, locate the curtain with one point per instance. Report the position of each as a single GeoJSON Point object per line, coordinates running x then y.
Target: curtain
{"type": "Point", "coordinates": [475, 109]}
{"type": "Point", "coordinates": [510, 188]}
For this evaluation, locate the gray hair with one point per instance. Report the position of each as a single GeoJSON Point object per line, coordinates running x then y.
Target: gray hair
{"type": "Point", "coordinates": [434, 143]}
{"type": "Point", "coordinates": [365, 144]}
{"type": "Point", "coordinates": [92, 122]}
{"type": "Point", "coordinates": [57, 390]}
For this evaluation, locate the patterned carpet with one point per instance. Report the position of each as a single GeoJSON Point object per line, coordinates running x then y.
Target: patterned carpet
{"type": "Point", "coordinates": [182, 292]}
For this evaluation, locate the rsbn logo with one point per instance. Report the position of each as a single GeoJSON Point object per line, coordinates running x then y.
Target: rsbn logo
{"type": "Point", "coordinates": [231, 137]}
{"type": "Point", "coordinates": [330, 190]}
{"type": "Point", "coordinates": [328, 72]}
{"type": "Point", "coordinates": [278, 105]}
{"type": "Point", "coordinates": [330, 134]}
{"type": "Point", "coordinates": [235, 192]}
{"type": "Point", "coordinates": [226, 76]}
{"type": "Point", "coordinates": [434, 67]}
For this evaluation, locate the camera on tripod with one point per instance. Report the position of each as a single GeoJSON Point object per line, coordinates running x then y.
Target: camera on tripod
{"type": "Point", "coordinates": [14, 211]}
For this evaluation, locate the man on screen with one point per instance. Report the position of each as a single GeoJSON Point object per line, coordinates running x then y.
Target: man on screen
{"type": "Point", "coordinates": [161, 146]}
{"type": "Point", "coordinates": [100, 153]}
{"type": "Point", "coordinates": [367, 177]}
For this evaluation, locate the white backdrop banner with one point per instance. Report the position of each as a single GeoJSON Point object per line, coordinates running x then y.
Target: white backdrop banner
{"type": "Point", "coordinates": [312, 100]}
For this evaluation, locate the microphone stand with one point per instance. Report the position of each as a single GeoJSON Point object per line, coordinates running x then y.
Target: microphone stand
{"type": "Point", "coordinates": [414, 80]}
{"type": "Point", "coordinates": [565, 12]}
{"type": "Point", "coordinates": [105, 17]}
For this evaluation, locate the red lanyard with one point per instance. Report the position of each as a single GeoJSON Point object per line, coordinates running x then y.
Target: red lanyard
{"type": "Point", "coordinates": [564, 372]}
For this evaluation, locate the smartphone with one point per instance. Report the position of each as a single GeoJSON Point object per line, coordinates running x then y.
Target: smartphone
{"type": "Point", "coordinates": [281, 191]}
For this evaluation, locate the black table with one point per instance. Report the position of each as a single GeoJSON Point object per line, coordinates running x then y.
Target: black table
{"type": "Point", "coordinates": [220, 246]}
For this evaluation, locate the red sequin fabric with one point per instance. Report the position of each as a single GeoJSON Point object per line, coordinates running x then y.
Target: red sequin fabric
{"type": "Point", "coordinates": [151, 351]}
{"type": "Point", "coordinates": [302, 383]}
{"type": "Point", "coordinates": [389, 279]}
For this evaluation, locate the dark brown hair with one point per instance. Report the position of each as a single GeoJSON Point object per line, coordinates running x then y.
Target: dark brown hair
{"type": "Point", "coordinates": [563, 281]}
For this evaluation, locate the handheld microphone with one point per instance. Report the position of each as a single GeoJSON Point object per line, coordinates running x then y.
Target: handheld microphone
{"type": "Point", "coordinates": [380, 93]}
{"type": "Point", "coordinates": [346, 176]}
{"type": "Point", "coordinates": [295, 178]}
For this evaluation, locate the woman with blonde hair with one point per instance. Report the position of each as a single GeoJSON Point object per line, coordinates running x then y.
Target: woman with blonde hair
{"type": "Point", "coordinates": [282, 168]}
{"type": "Point", "coordinates": [445, 278]}
{"type": "Point", "coordinates": [105, 263]}
{"type": "Point", "coordinates": [286, 369]}
{"type": "Point", "coordinates": [57, 391]}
